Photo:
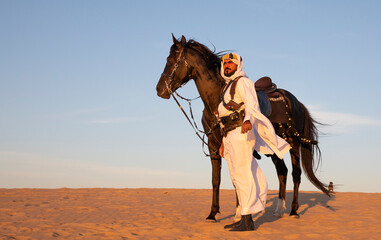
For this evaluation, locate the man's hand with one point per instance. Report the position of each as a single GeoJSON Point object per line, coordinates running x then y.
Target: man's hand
{"type": "Point", "coordinates": [246, 126]}
{"type": "Point", "coordinates": [221, 150]}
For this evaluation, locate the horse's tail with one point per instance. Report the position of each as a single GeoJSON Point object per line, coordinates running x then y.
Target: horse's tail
{"type": "Point", "coordinates": [310, 150]}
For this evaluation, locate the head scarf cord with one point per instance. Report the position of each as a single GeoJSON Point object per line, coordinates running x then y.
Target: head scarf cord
{"type": "Point", "coordinates": [235, 58]}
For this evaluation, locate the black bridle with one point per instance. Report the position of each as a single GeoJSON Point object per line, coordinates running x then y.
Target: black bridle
{"type": "Point", "coordinates": [193, 122]}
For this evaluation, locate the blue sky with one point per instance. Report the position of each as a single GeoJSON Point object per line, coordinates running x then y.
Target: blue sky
{"type": "Point", "coordinates": [78, 105]}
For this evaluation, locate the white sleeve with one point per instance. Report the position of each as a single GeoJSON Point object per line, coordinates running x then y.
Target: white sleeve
{"type": "Point", "coordinates": [246, 90]}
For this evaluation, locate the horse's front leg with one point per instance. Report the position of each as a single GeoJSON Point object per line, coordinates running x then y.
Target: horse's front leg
{"type": "Point", "coordinates": [216, 180]}
{"type": "Point", "coordinates": [214, 143]}
{"type": "Point", "coordinates": [281, 171]}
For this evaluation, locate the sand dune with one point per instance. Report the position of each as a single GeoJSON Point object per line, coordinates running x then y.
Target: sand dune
{"type": "Point", "coordinates": [178, 214]}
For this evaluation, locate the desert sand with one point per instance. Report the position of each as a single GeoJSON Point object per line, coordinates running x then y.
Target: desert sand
{"type": "Point", "coordinates": [90, 213]}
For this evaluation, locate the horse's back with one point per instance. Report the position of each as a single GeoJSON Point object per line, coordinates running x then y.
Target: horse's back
{"type": "Point", "coordinates": [287, 106]}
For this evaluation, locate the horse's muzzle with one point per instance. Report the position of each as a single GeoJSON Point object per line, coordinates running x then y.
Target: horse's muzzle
{"type": "Point", "coordinates": [162, 91]}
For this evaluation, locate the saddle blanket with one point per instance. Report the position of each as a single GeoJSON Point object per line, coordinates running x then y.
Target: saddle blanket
{"type": "Point", "coordinates": [274, 108]}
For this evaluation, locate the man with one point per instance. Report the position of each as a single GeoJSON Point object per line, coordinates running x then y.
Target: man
{"type": "Point", "coordinates": [245, 129]}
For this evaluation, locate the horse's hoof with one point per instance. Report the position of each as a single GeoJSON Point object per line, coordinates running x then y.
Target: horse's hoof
{"type": "Point", "coordinates": [280, 206]}
{"type": "Point", "coordinates": [296, 216]}
{"type": "Point", "coordinates": [210, 220]}
{"type": "Point", "coordinates": [211, 217]}
{"type": "Point", "coordinates": [278, 214]}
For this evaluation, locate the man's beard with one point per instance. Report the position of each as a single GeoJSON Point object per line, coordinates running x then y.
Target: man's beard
{"type": "Point", "coordinates": [228, 74]}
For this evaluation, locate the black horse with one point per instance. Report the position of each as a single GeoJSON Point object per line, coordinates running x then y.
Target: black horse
{"type": "Point", "coordinates": [191, 60]}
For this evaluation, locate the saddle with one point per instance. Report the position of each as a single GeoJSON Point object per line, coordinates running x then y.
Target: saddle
{"type": "Point", "coordinates": [271, 100]}
{"type": "Point", "coordinates": [266, 84]}
{"type": "Point", "coordinates": [283, 105]}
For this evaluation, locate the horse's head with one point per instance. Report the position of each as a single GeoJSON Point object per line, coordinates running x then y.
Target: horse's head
{"type": "Point", "coordinates": [176, 71]}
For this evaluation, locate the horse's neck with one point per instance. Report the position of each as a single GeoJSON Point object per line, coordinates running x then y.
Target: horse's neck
{"type": "Point", "coordinates": [208, 86]}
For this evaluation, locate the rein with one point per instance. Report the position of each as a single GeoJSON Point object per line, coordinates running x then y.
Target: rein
{"type": "Point", "coordinates": [194, 125]}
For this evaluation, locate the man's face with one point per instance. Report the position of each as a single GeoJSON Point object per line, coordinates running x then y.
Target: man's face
{"type": "Point", "coordinates": [229, 67]}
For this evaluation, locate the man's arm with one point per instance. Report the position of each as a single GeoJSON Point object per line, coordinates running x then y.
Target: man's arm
{"type": "Point", "coordinates": [248, 95]}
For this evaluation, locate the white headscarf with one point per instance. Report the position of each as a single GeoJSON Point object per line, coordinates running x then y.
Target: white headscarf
{"type": "Point", "coordinates": [235, 58]}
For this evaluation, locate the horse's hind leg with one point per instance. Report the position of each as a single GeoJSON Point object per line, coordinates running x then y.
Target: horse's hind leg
{"type": "Point", "coordinates": [296, 176]}
{"type": "Point", "coordinates": [281, 171]}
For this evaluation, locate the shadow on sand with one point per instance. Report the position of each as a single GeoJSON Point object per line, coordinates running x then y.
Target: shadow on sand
{"type": "Point", "coordinates": [311, 199]}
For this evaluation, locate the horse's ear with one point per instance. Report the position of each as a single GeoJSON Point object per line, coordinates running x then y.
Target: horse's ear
{"type": "Point", "coordinates": [183, 40]}
{"type": "Point", "coordinates": [174, 39]}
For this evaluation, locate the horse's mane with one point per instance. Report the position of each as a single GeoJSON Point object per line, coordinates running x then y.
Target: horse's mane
{"type": "Point", "coordinates": [212, 59]}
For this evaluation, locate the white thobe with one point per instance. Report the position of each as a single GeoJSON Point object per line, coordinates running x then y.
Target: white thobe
{"type": "Point", "coordinates": [247, 177]}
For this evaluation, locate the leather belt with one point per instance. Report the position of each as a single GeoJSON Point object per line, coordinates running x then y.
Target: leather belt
{"type": "Point", "coordinates": [232, 121]}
